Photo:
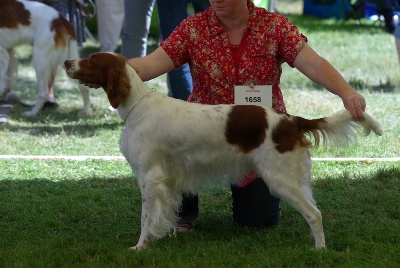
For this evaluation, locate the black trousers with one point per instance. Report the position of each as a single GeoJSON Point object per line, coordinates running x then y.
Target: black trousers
{"type": "Point", "coordinates": [252, 206]}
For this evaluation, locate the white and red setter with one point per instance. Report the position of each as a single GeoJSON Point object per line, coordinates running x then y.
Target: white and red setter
{"type": "Point", "coordinates": [177, 147]}
{"type": "Point", "coordinates": [53, 40]}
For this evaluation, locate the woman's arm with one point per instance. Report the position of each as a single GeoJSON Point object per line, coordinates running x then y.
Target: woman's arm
{"type": "Point", "coordinates": [153, 65]}
{"type": "Point", "coordinates": [323, 73]}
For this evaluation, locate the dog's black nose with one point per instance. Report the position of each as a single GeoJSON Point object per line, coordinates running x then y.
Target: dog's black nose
{"type": "Point", "coordinates": [68, 64]}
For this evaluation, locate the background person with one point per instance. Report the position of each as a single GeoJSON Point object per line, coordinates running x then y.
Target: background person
{"type": "Point", "coordinates": [170, 14]}
{"type": "Point", "coordinates": [136, 27]}
{"type": "Point", "coordinates": [110, 18]}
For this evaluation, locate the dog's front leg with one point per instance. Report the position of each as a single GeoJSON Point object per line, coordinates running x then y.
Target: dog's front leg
{"type": "Point", "coordinates": [45, 75]}
{"type": "Point", "coordinates": [159, 206]}
{"type": "Point", "coordinates": [145, 236]}
{"type": "Point", "coordinates": [40, 101]}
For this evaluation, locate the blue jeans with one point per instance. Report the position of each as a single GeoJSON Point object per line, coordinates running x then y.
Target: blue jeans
{"type": "Point", "coordinates": [170, 15]}
{"type": "Point", "coordinates": [137, 21]}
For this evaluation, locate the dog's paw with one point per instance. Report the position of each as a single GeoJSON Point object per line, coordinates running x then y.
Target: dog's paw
{"type": "Point", "coordinates": [137, 247]}
{"type": "Point", "coordinates": [321, 247]}
{"type": "Point", "coordinates": [85, 112]}
{"type": "Point", "coordinates": [142, 244]}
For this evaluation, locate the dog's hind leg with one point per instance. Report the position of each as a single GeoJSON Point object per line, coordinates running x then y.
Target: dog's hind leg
{"type": "Point", "coordinates": [159, 207]}
{"type": "Point", "coordinates": [291, 182]}
{"type": "Point", "coordinates": [73, 53]}
{"type": "Point", "coordinates": [86, 110]}
{"type": "Point", "coordinates": [46, 71]}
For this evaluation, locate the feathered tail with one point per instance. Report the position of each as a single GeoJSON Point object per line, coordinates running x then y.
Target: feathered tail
{"type": "Point", "coordinates": [340, 128]}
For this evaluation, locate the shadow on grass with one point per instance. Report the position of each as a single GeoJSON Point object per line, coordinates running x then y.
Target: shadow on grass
{"type": "Point", "coordinates": [77, 129]}
{"type": "Point", "coordinates": [68, 120]}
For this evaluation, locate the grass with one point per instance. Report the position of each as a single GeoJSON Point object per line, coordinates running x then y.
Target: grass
{"type": "Point", "coordinates": [87, 213]}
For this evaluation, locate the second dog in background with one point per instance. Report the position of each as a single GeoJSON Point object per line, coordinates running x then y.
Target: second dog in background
{"type": "Point", "coordinates": [53, 40]}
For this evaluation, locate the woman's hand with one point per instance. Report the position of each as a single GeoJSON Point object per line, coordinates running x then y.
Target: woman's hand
{"type": "Point", "coordinates": [91, 85]}
{"type": "Point", "coordinates": [355, 104]}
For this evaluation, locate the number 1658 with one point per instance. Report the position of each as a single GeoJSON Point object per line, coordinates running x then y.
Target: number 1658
{"type": "Point", "coordinates": [253, 99]}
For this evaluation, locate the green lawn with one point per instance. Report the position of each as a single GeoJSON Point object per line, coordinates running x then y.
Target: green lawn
{"type": "Point", "coordinates": [62, 213]}
{"type": "Point", "coordinates": [87, 214]}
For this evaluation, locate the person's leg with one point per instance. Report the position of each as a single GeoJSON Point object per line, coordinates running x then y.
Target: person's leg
{"type": "Point", "coordinates": [385, 7]}
{"type": "Point", "coordinates": [110, 16]}
{"type": "Point", "coordinates": [397, 40]}
{"type": "Point", "coordinates": [180, 83]}
{"type": "Point", "coordinates": [170, 15]}
{"type": "Point", "coordinates": [388, 16]}
{"type": "Point", "coordinates": [188, 212]}
{"type": "Point", "coordinates": [136, 27]}
{"type": "Point", "coordinates": [254, 206]}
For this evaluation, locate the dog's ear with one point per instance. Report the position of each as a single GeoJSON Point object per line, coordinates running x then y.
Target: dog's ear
{"type": "Point", "coordinates": [118, 85]}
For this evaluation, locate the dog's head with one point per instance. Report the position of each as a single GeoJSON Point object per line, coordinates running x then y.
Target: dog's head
{"type": "Point", "coordinates": [103, 69]}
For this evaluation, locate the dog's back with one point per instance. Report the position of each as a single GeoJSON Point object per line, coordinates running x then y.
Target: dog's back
{"type": "Point", "coordinates": [21, 22]}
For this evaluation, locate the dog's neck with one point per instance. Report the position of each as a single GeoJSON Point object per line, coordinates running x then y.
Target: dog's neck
{"type": "Point", "coordinates": [136, 93]}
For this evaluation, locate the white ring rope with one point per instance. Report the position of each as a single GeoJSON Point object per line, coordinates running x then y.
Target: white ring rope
{"type": "Point", "coordinates": [121, 158]}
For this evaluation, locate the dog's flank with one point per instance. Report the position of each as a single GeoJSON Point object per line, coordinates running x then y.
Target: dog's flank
{"type": "Point", "coordinates": [53, 40]}
{"type": "Point", "coordinates": [177, 147]}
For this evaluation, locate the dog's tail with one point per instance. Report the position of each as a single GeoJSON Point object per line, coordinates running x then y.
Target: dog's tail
{"type": "Point", "coordinates": [339, 128]}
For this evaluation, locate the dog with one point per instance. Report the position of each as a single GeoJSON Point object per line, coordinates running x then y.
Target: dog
{"type": "Point", "coordinates": [177, 147]}
{"type": "Point", "coordinates": [53, 39]}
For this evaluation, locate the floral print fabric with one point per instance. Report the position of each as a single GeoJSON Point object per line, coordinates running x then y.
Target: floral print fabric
{"type": "Point", "coordinates": [201, 41]}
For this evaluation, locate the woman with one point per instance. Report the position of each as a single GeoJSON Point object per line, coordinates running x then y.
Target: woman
{"type": "Point", "coordinates": [234, 43]}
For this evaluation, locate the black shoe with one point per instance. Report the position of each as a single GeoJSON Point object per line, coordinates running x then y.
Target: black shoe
{"type": "Point", "coordinates": [50, 105]}
{"type": "Point", "coordinates": [6, 107]}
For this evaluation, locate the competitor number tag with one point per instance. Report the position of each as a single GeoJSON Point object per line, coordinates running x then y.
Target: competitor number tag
{"type": "Point", "coordinates": [255, 95]}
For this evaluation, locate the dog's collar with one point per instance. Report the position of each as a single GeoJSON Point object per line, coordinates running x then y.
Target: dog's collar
{"type": "Point", "coordinates": [126, 116]}
{"type": "Point", "coordinates": [133, 106]}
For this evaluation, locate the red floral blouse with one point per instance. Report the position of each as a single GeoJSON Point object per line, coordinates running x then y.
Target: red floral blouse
{"type": "Point", "coordinates": [217, 66]}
